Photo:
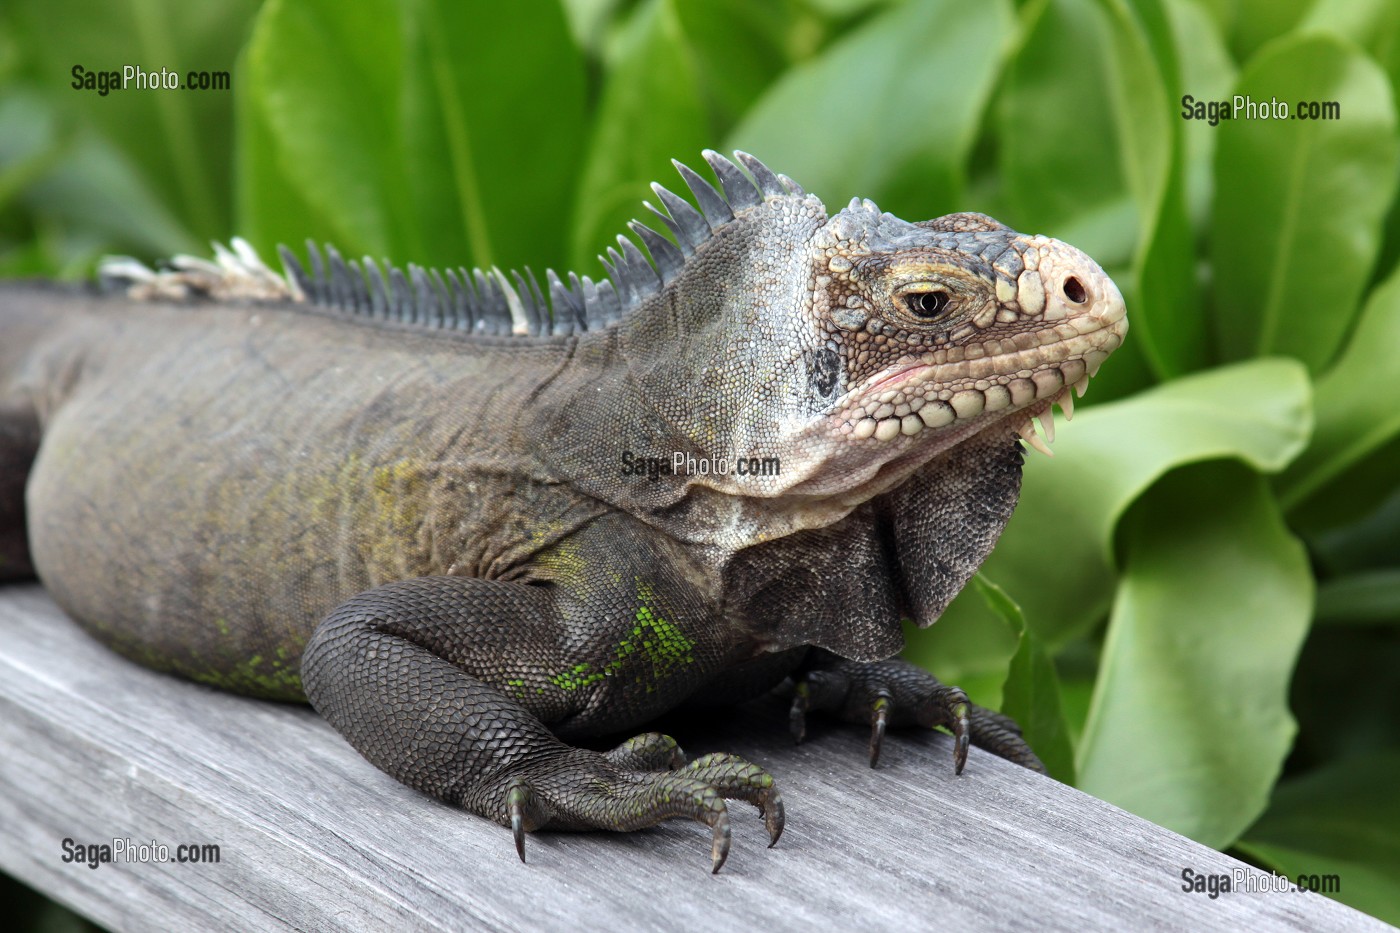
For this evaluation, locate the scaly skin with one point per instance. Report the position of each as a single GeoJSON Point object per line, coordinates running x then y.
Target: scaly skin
{"type": "Point", "coordinates": [438, 539]}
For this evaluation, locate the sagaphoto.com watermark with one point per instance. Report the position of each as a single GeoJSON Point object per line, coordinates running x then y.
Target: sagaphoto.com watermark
{"type": "Point", "coordinates": [1244, 107]}
{"type": "Point", "coordinates": [129, 851]}
{"type": "Point", "coordinates": [134, 77]}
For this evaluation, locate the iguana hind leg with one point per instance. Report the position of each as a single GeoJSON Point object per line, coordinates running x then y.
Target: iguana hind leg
{"type": "Point", "coordinates": [442, 682]}
{"type": "Point", "coordinates": [896, 693]}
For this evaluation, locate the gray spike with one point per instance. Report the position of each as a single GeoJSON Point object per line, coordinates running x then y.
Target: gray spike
{"type": "Point", "coordinates": [714, 207]}
{"type": "Point", "coordinates": [446, 312]}
{"type": "Point", "coordinates": [645, 280]}
{"type": "Point", "coordinates": [294, 271]}
{"type": "Point", "coordinates": [536, 322]}
{"type": "Point", "coordinates": [793, 187]}
{"type": "Point", "coordinates": [610, 302]}
{"type": "Point", "coordinates": [401, 307]}
{"type": "Point", "coordinates": [738, 190]}
{"type": "Point", "coordinates": [693, 228]}
{"type": "Point", "coordinates": [685, 248]}
{"type": "Point", "coordinates": [536, 294]}
{"type": "Point", "coordinates": [471, 300]}
{"type": "Point", "coordinates": [318, 273]}
{"type": "Point", "coordinates": [357, 286]}
{"type": "Point", "coordinates": [423, 311]}
{"type": "Point", "coordinates": [592, 305]}
{"type": "Point", "coordinates": [669, 260]}
{"type": "Point", "coordinates": [461, 314]}
{"type": "Point", "coordinates": [576, 296]}
{"type": "Point", "coordinates": [342, 293]}
{"type": "Point", "coordinates": [768, 182]}
{"type": "Point", "coordinates": [485, 317]}
{"type": "Point", "coordinates": [379, 303]}
{"type": "Point", "coordinates": [616, 265]}
{"type": "Point", "coordinates": [495, 309]}
{"type": "Point", "coordinates": [561, 304]}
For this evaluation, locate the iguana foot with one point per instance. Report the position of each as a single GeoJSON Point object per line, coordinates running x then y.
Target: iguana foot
{"type": "Point", "coordinates": [640, 783]}
{"type": "Point", "coordinates": [897, 693]}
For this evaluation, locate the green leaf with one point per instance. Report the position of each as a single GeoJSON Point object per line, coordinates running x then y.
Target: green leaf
{"type": "Point", "coordinates": [1255, 22]}
{"type": "Point", "coordinates": [889, 111]}
{"type": "Point", "coordinates": [1055, 557]}
{"type": "Point", "coordinates": [1299, 203]}
{"type": "Point", "coordinates": [1056, 167]}
{"type": "Point", "coordinates": [740, 47]}
{"type": "Point", "coordinates": [1031, 695]}
{"type": "Point", "coordinates": [1207, 74]}
{"type": "Point", "coordinates": [378, 116]}
{"type": "Point", "coordinates": [1190, 723]}
{"type": "Point", "coordinates": [1354, 401]}
{"type": "Point", "coordinates": [1361, 598]}
{"type": "Point", "coordinates": [651, 112]}
{"type": "Point", "coordinates": [1167, 311]}
{"type": "Point", "coordinates": [1343, 819]}
{"type": "Point", "coordinates": [178, 142]}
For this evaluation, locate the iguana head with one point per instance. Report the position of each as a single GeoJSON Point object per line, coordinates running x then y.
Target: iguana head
{"type": "Point", "coordinates": [855, 348]}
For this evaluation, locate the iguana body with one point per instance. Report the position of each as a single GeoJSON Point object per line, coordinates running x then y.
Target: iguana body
{"type": "Point", "coordinates": [213, 480]}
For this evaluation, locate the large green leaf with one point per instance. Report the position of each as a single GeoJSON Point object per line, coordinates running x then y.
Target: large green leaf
{"type": "Point", "coordinates": [1355, 401]}
{"type": "Point", "coordinates": [890, 111]}
{"type": "Point", "coordinates": [1342, 820]}
{"type": "Point", "coordinates": [1299, 202]}
{"type": "Point", "coordinates": [651, 112]}
{"type": "Point", "coordinates": [1167, 311]}
{"type": "Point", "coordinates": [1031, 694]}
{"type": "Point", "coordinates": [379, 115]}
{"type": "Point", "coordinates": [178, 143]}
{"type": "Point", "coordinates": [1190, 724]}
{"type": "Point", "coordinates": [1057, 142]}
{"type": "Point", "coordinates": [1055, 557]}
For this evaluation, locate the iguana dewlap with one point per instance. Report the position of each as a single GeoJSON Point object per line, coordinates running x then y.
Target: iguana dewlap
{"type": "Point", "coordinates": [741, 461]}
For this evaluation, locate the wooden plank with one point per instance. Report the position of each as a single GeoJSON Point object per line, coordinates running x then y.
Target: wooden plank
{"type": "Point", "coordinates": [313, 837]}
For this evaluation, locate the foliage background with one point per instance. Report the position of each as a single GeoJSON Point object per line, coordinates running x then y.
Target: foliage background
{"type": "Point", "coordinates": [1196, 608]}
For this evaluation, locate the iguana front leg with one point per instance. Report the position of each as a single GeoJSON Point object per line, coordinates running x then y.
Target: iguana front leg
{"type": "Point", "coordinates": [443, 682]}
{"type": "Point", "coordinates": [896, 693]}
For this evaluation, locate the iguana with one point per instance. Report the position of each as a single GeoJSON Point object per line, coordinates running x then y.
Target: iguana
{"type": "Point", "coordinates": [471, 524]}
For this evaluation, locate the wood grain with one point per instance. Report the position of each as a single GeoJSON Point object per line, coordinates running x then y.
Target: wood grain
{"type": "Point", "coordinates": [93, 747]}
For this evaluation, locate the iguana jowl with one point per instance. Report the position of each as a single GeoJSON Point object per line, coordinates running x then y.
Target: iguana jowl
{"type": "Point", "coordinates": [219, 460]}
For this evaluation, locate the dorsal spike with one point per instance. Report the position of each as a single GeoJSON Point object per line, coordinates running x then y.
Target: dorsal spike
{"type": "Point", "coordinates": [423, 310]}
{"type": "Point", "coordinates": [793, 187]}
{"type": "Point", "coordinates": [379, 302]}
{"type": "Point", "coordinates": [319, 292]}
{"type": "Point", "coordinates": [645, 280]}
{"type": "Point", "coordinates": [470, 299]}
{"type": "Point", "coordinates": [536, 295]}
{"type": "Point", "coordinates": [682, 244]}
{"type": "Point", "coordinates": [693, 227]}
{"type": "Point", "coordinates": [592, 305]}
{"type": "Point", "coordinates": [616, 264]}
{"type": "Point", "coordinates": [295, 273]}
{"type": "Point", "coordinates": [610, 303]}
{"type": "Point", "coordinates": [443, 299]}
{"type": "Point", "coordinates": [768, 182]}
{"type": "Point", "coordinates": [495, 307]}
{"type": "Point", "coordinates": [560, 304]}
{"type": "Point", "coordinates": [461, 312]}
{"type": "Point", "coordinates": [669, 260]}
{"type": "Point", "coordinates": [401, 306]}
{"type": "Point", "coordinates": [738, 190]}
{"type": "Point", "coordinates": [357, 284]}
{"type": "Point", "coordinates": [341, 290]}
{"type": "Point", "coordinates": [715, 208]}
{"type": "Point", "coordinates": [576, 296]}
{"type": "Point", "coordinates": [536, 321]}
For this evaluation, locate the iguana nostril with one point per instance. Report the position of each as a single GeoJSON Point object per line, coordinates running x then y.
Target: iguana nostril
{"type": "Point", "coordinates": [1074, 290]}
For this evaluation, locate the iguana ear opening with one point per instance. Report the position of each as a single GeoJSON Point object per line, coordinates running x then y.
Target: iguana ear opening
{"type": "Point", "coordinates": [946, 518]}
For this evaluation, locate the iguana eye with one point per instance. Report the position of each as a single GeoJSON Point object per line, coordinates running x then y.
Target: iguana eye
{"type": "Point", "coordinates": [928, 305]}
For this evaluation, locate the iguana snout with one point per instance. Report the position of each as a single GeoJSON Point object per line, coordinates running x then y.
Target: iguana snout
{"type": "Point", "coordinates": [947, 326]}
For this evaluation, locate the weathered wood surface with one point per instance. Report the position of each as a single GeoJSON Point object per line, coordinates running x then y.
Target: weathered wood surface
{"type": "Point", "coordinates": [93, 747]}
